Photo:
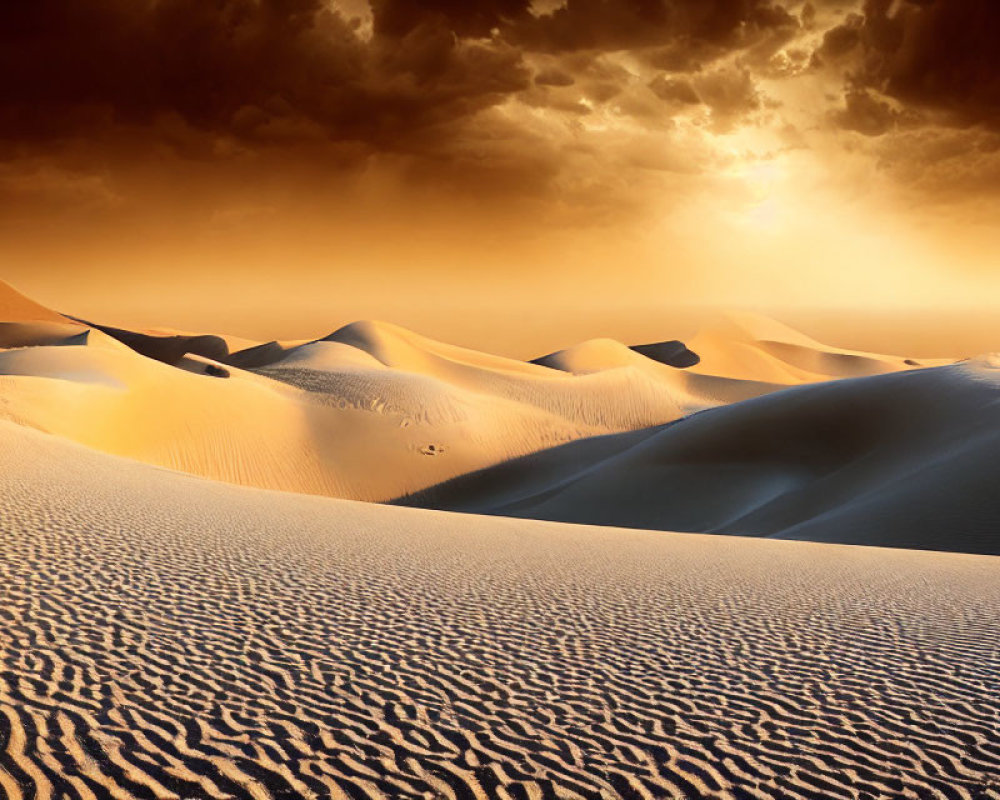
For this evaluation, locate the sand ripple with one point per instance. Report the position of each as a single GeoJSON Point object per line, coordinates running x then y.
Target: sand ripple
{"type": "Point", "coordinates": [167, 637]}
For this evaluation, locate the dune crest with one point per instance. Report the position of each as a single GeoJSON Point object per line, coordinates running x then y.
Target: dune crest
{"type": "Point", "coordinates": [376, 412]}
{"type": "Point", "coordinates": [15, 307]}
{"type": "Point", "coordinates": [754, 347]}
{"type": "Point", "coordinates": [369, 412]}
{"type": "Point", "coordinates": [894, 459]}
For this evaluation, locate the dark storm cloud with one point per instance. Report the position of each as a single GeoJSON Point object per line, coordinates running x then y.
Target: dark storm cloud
{"type": "Point", "coordinates": [686, 30]}
{"type": "Point", "coordinates": [554, 77]}
{"type": "Point", "coordinates": [65, 62]}
{"type": "Point", "coordinates": [187, 74]}
{"type": "Point", "coordinates": [865, 114]}
{"type": "Point", "coordinates": [930, 55]}
{"type": "Point", "coordinates": [842, 39]}
{"type": "Point", "coordinates": [67, 67]}
{"type": "Point", "coordinates": [674, 90]}
{"type": "Point", "coordinates": [398, 17]}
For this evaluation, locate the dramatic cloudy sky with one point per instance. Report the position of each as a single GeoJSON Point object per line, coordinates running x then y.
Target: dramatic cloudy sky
{"type": "Point", "coordinates": [287, 164]}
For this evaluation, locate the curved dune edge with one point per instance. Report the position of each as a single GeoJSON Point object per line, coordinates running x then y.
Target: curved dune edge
{"type": "Point", "coordinates": [906, 459]}
{"type": "Point", "coordinates": [15, 307]}
{"type": "Point", "coordinates": [170, 637]}
{"type": "Point", "coordinates": [370, 413]}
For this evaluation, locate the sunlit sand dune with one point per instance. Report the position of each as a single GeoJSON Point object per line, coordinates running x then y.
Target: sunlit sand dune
{"type": "Point", "coordinates": [376, 412]}
{"type": "Point", "coordinates": [910, 459]}
{"type": "Point", "coordinates": [169, 637]}
{"type": "Point", "coordinates": [754, 347]}
{"type": "Point", "coordinates": [15, 307]}
{"type": "Point", "coordinates": [370, 412]}
{"type": "Point", "coordinates": [369, 433]}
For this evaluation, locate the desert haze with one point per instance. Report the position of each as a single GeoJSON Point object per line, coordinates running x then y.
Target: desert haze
{"type": "Point", "coordinates": [182, 621]}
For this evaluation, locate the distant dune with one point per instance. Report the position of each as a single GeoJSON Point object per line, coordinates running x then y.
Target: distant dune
{"type": "Point", "coordinates": [370, 412]}
{"type": "Point", "coordinates": [15, 307]}
{"type": "Point", "coordinates": [170, 637]}
{"type": "Point", "coordinates": [168, 348]}
{"type": "Point", "coordinates": [743, 345]}
{"type": "Point", "coordinates": [376, 412]}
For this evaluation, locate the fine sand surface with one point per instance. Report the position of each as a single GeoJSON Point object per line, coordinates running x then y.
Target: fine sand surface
{"type": "Point", "coordinates": [908, 459]}
{"type": "Point", "coordinates": [170, 637]}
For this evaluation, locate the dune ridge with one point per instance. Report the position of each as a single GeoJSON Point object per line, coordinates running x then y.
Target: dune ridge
{"type": "Point", "coordinates": [370, 412]}
{"type": "Point", "coordinates": [893, 460]}
{"type": "Point", "coordinates": [195, 639]}
{"type": "Point", "coordinates": [375, 412]}
{"type": "Point", "coordinates": [751, 346]}
{"type": "Point", "coordinates": [16, 307]}
{"type": "Point", "coordinates": [168, 348]}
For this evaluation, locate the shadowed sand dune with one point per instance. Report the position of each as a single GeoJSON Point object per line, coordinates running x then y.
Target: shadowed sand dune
{"type": "Point", "coordinates": [673, 353]}
{"type": "Point", "coordinates": [42, 334]}
{"type": "Point", "coordinates": [909, 459]}
{"type": "Point", "coordinates": [376, 412]}
{"type": "Point", "coordinates": [168, 348]}
{"type": "Point", "coordinates": [595, 355]}
{"type": "Point", "coordinates": [170, 637]}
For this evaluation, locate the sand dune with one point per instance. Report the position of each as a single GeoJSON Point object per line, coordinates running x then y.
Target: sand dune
{"type": "Point", "coordinates": [15, 307]}
{"type": "Point", "coordinates": [376, 412]}
{"type": "Point", "coordinates": [910, 459]}
{"type": "Point", "coordinates": [264, 355]}
{"type": "Point", "coordinates": [596, 355]}
{"type": "Point", "coordinates": [169, 637]}
{"type": "Point", "coordinates": [370, 412]}
{"type": "Point", "coordinates": [750, 346]}
{"type": "Point", "coordinates": [168, 348]}
{"type": "Point", "coordinates": [363, 432]}
{"type": "Point", "coordinates": [233, 343]}
{"type": "Point", "coordinates": [41, 333]}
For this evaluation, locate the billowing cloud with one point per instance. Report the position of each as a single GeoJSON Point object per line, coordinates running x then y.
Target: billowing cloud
{"type": "Point", "coordinates": [939, 55]}
{"type": "Point", "coordinates": [311, 120]}
{"type": "Point", "coordinates": [253, 70]}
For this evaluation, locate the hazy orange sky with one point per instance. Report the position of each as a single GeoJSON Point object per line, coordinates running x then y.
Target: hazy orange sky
{"type": "Point", "coordinates": [277, 167]}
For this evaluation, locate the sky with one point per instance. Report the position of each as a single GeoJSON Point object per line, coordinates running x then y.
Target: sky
{"type": "Point", "coordinates": [274, 168]}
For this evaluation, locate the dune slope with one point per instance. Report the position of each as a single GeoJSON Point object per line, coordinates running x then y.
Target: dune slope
{"type": "Point", "coordinates": [360, 431]}
{"type": "Point", "coordinates": [909, 459]}
{"type": "Point", "coordinates": [751, 346]}
{"type": "Point", "coordinates": [15, 307]}
{"type": "Point", "coordinates": [371, 412]}
{"type": "Point", "coordinates": [170, 637]}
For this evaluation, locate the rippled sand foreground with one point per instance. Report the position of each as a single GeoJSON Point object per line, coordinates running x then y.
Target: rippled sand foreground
{"type": "Point", "coordinates": [166, 636]}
